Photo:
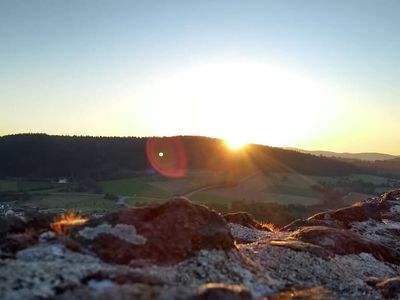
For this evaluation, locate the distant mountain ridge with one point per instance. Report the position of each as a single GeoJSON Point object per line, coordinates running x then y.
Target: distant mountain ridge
{"type": "Point", "coordinates": [368, 156]}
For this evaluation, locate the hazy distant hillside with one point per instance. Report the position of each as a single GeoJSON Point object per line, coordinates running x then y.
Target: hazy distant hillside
{"type": "Point", "coordinates": [39, 155]}
{"type": "Point", "coordinates": [368, 156]}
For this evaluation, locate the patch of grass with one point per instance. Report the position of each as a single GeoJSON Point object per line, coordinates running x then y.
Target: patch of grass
{"type": "Point", "coordinates": [135, 201]}
{"type": "Point", "coordinates": [286, 199]}
{"type": "Point", "coordinates": [193, 179]}
{"type": "Point", "coordinates": [23, 185]}
{"type": "Point", "coordinates": [8, 185]}
{"type": "Point", "coordinates": [132, 186]}
{"type": "Point", "coordinates": [293, 190]}
{"type": "Point", "coordinates": [210, 199]}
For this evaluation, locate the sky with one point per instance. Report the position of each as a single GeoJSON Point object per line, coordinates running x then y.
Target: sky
{"type": "Point", "coordinates": [319, 75]}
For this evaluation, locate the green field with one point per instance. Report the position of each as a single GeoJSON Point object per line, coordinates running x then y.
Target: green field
{"type": "Point", "coordinates": [282, 188]}
{"type": "Point", "coordinates": [286, 189]}
{"type": "Point", "coordinates": [85, 203]}
{"type": "Point", "coordinates": [376, 180]}
{"type": "Point", "coordinates": [23, 185]}
{"type": "Point", "coordinates": [8, 185]}
{"type": "Point", "coordinates": [193, 179]}
{"type": "Point", "coordinates": [135, 201]}
{"type": "Point", "coordinates": [133, 187]}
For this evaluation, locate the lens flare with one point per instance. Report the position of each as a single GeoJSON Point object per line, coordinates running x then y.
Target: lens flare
{"type": "Point", "coordinates": [167, 156]}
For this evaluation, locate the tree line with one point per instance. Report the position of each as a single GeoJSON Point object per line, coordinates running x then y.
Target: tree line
{"type": "Point", "coordinates": [45, 156]}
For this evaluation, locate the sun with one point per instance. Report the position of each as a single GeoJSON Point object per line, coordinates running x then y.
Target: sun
{"type": "Point", "coordinates": [235, 143]}
{"type": "Point", "coordinates": [259, 101]}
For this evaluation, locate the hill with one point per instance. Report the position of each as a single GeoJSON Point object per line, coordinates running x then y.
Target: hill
{"type": "Point", "coordinates": [367, 156]}
{"type": "Point", "coordinates": [44, 156]}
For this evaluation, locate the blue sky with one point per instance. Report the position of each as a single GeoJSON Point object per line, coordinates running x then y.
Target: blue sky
{"type": "Point", "coordinates": [80, 67]}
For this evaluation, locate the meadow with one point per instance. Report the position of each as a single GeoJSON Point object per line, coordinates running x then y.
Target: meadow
{"type": "Point", "coordinates": [212, 188]}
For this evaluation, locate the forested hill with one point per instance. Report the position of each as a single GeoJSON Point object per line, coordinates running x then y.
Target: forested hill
{"type": "Point", "coordinates": [40, 155]}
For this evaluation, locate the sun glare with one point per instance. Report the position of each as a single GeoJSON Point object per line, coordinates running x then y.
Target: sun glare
{"type": "Point", "coordinates": [258, 102]}
{"type": "Point", "coordinates": [235, 144]}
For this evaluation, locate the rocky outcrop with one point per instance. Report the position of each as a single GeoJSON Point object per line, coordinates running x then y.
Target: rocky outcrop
{"type": "Point", "coordinates": [163, 234]}
{"type": "Point", "coordinates": [180, 250]}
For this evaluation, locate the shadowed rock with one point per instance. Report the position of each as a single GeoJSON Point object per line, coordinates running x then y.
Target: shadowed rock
{"type": "Point", "coordinates": [389, 288]}
{"type": "Point", "coordinates": [164, 234]}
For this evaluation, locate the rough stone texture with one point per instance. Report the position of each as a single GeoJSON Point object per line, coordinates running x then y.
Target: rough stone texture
{"type": "Point", "coordinates": [46, 270]}
{"type": "Point", "coordinates": [244, 234]}
{"type": "Point", "coordinates": [168, 233]}
{"type": "Point", "coordinates": [357, 259]}
{"type": "Point", "coordinates": [300, 246]}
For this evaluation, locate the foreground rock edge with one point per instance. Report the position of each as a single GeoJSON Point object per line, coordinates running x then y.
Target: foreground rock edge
{"type": "Point", "coordinates": [266, 264]}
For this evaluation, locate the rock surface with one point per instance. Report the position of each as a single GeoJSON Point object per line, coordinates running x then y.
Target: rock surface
{"type": "Point", "coordinates": [179, 250]}
{"type": "Point", "coordinates": [166, 233]}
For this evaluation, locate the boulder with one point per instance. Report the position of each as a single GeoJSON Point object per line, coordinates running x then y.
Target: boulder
{"type": "Point", "coordinates": [162, 234]}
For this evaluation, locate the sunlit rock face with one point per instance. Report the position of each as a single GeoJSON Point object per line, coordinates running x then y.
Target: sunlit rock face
{"type": "Point", "coordinates": [179, 250]}
{"type": "Point", "coordinates": [162, 234]}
